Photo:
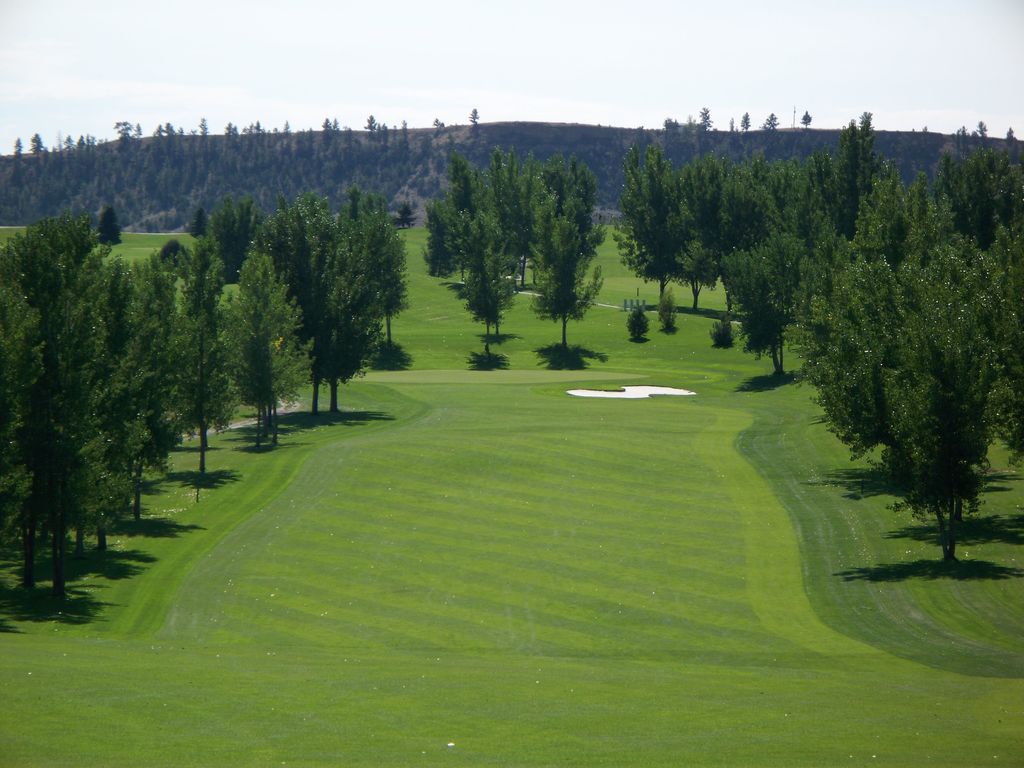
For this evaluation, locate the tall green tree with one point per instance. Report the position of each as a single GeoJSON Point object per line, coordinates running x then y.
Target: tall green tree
{"type": "Point", "coordinates": [652, 235]}
{"type": "Point", "coordinates": [567, 242]}
{"type": "Point", "coordinates": [903, 361]}
{"type": "Point", "coordinates": [234, 226]}
{"type": "Point", "coordinates": [19, 370]}
{"type": "Point", "coordinates": [200, 221]}
{"type": "Point", "coordinates": [302, 240]}
{"type": "Point", "coordinates": [513, 190]}
{"type": "Point", "coordinates": [488, 291]}
{"type": "Point", "coordinates": [269, 363]}
{"type": "Point", "coordinates": [857, 165]}
{"type": "Point", "coordinates": [150, 364]}
{"type": "Point", "coordinates": [54, 268]}
{"type": "Point", "coordinates": [383, 252]}
{"type": "Point", "coordinates": [204, 385]}
{"type": "Point", "coordinates": [108, 230]}
{"type": "Point", "coordinates": [766, 282]}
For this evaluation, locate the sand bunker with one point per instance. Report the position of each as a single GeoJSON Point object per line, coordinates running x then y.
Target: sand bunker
{"type": "Point", "coordinates": [629, 393]}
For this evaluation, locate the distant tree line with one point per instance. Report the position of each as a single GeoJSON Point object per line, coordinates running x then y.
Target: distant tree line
{"type": "Point", "coordinates": [103, 367]}
{"type": "Point", "coordinates": [156, 181]}
{"type": "Point", "coordinates": [903, 300]}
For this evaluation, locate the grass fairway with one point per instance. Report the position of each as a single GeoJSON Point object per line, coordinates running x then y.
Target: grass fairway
{"type": "Point", "coordinates": [133, 246]}
{"type": "Point", "coordinates": [473, 558]}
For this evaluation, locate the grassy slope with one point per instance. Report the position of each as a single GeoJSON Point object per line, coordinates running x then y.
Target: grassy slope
{"type": "Point", "coordinates": [474, 557]}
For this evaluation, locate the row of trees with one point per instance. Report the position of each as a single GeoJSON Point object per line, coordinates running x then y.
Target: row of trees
{"type": "Point", "coordinates": [490, 225]}
{"type": "Point", "coordinates": [104, 366]}
{"type": "Point", "coordinates": [904, 300]}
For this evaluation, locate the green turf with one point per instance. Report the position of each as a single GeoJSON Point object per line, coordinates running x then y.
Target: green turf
{"type": "Point", "coordinates": [133, 246]}
{"type": "Point", "coordinates": [474, 557]}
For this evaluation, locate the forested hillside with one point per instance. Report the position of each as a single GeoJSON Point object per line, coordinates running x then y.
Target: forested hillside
{"type": "Point", "coordinates": [155, 183]}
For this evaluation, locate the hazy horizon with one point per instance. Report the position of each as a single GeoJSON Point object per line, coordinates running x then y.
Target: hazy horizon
{"type": "Point", "coordinates": [71, 70]}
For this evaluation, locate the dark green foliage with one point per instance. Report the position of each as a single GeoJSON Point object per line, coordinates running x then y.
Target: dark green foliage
{"type": "Point", "coordinates": [652, 233]}
{"type": "Point", "coordinates": [156, 183]}
{"type": "Point", "coordinates": [56, 269]}
{"type": "Point", "coordinates": [513, 190]}
{"type": "Point", "coordinates": [438, 256]}
{"type": "Point", "coordinates": [149, 363]}
{"type": "Point", "coordinates": [765, 282]}
{"type": "Point", "coordinates": [233, 227]}
{"type": "Point", "coordinates": [302, 240]}
{"type": "Point", "coordinates": [637, 323]}
{"type": "Point", "coordinates": [721, 333]}
{"type": "Point", "coordinates": [667, 311]}
{"type": "Point", "coordinates": [108, 230]}
{"type": "Point", "coordinates": [771, 123]}
{"type": "Point", "coordinates": [567, 243]}
{"type": "Point", "coordinates": [197, 227]}
{"type": "Point", "coordinates": [269, 363]}
{"type": "Point", "coordinates": [172, 252]}
{"type": "Point", "coordinates": [488, 291]}
{"type": "Point", "coordinates": [19, 370]}
{"type": "Point", "coordinates": [206, 398]}
{"type": "Point", "coordinates": [405, 216]}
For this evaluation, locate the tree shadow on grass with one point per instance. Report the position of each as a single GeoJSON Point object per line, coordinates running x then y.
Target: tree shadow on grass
{"type": "Point", "coordinates": [483, 361]}
{"type": "Point", "coordinates": [711, 314]}
{"type": "Point", "coordinates": [391, 358]}
{"type": "Point", "coordinates": [153, 528]}
{"type": "Point", "coordinates": [860, 482]}
{"type": "Point", "coordinates": [110, 564]}
{"type": "Point", "coordinates": [459, 289]}
{"type": "Point", "coordinates": [78, 606]}
{"type": "Point", "coordinates": [498, 338]}
{"type": "Point", "coordinates": [766, 382]}
{"type": "Point", "coordinates": [203, 481]}
{"type": "Point", "coordinates": [974, 529]}
{"type": "Point", "coordinates": [931, 570]}
{"type": "Point", "coordinates": [292, 424]}
{"type": "Point", "coordinates": [638, 340]}
{"type": "Point", "coordinates": [555, 357]}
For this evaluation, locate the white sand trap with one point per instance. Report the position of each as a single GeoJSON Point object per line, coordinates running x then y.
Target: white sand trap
{"type": "Point", "coordinates": [629, 393]}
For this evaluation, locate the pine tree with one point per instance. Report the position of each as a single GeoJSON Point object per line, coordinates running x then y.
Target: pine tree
{"type": "Point", "coordinates": [108, 230]}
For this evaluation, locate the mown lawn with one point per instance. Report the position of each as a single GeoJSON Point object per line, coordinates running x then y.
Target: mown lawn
{"type": "Point", "coordinates": [470, 567]}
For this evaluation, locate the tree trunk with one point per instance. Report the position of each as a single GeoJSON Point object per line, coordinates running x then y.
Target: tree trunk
{"type": "Point", "coordinates": [58, 548]}
{"type": "Point", "coordinates": [947, 531]}
{"type": "Point", "coordinates": [334, 395]}
{"type": "Point", "coordinates": [316, 395]}
{"type": "Point", "coordinates": [28, 552]}
{"type": "Point", "coordinates": [695, 289]}
{"type": "Point", "coordinates": [79, 543]}
{"type": "Point", "coordinates": [387, 326]}
{"type": "Point", "coordinates": [662, 282]}
{"type": "Point", "coordinates": [487, 339]}
{"type": "Point", "coordinates": [203, 445]}
{"type": "Point", "coordinates": [273, 439]}
{"type": "Point", "coordinates": [777, 360]}
{"type": "Point", "coordinates": [259, 423]}
{"type": "Point", "coordinates": [101, 539]}
{"type": "Point", "coordinates": [137, 491]}
{"type": "Point", "coordinates": [522, 272]}
{"type": "Point", "coordinates": [565, 322]}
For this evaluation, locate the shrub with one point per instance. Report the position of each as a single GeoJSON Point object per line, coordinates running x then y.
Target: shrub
{"type": "Point", "coordinates": [667, 311]}
{"type": "Point", "coordinates": [172, 251]}
{"type": "Point", "coordinates": [636, 322]}
{"type": "Point", "coordinates": [721, 333]}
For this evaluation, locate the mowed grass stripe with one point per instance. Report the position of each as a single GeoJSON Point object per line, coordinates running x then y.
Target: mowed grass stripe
{"type": "Point", "coordinates": [466, 545]}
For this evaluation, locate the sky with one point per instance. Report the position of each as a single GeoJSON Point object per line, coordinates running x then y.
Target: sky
{"type": "Point", "coordinates": [72, 68]}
